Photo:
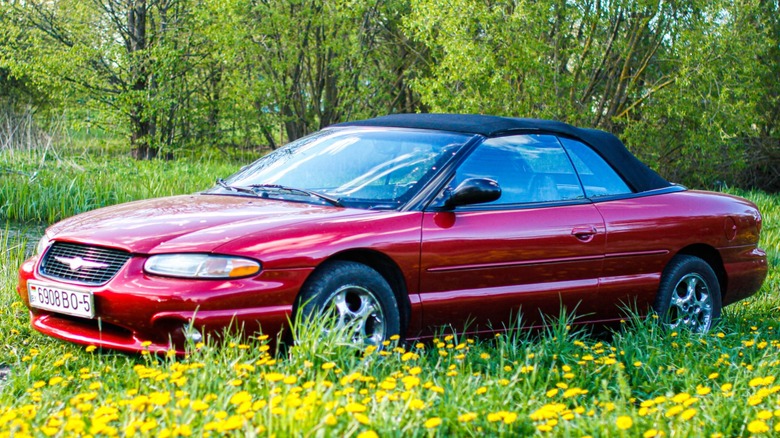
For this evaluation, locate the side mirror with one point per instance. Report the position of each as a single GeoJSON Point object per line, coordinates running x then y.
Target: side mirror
{"type": "Point", "coordinates": [473, 191]}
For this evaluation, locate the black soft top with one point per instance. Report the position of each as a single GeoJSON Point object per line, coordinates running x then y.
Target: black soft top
{"type": "Point", "coordinates": [640, 177]}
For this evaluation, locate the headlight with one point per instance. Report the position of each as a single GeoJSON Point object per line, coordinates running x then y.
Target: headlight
{"type": "Point", "coordinates": [42, 244]}
{"type": "Point", "coordinates": [201, 266]}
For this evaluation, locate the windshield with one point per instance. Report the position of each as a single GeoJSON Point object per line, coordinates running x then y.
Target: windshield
{"type": "Point", "coordinates": [358, 167]}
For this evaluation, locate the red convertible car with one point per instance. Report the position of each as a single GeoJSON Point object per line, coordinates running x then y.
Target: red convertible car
{"type": "Point", "coordinates": [401, 225]}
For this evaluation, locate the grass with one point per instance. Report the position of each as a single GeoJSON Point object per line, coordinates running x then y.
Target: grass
{"type": "Point", "coordinates": [44, 187]}
{"type": "Point", "coordinates": [638, 381]}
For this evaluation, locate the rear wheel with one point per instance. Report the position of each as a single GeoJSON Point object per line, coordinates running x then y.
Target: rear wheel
{"type": "Point", "coordinates": [357, 300]}
{"type": "Point", "coordinates": [689, 295]}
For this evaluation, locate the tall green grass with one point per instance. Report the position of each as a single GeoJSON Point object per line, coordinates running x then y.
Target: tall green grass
{"type": "Point", "coordinates": [42, 187]}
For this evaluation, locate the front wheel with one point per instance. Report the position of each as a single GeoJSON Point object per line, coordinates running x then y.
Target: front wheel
{"type": "Point", "coordinates": [689, 295]}
{"type": "Point", "coordinates": [356, 298]}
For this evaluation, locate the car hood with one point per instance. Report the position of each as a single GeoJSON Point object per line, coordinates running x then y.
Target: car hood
{"type": "Point", "coordinates": [191, 223]}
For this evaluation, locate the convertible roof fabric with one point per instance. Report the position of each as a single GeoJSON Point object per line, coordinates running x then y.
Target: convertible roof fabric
{"type": "Point", "coordinates": [640, 177]}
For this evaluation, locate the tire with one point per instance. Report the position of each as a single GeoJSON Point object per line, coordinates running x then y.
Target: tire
{"type": "Point", "coordinates": [353, 294]}
{"type": "Point", "coordinates": [689, 295]}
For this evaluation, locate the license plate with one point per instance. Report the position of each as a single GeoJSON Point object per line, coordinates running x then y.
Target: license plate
{"type": "Point", "coordinates": [70, 301]}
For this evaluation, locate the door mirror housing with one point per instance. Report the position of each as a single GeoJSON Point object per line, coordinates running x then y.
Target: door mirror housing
{"type": "Point", "coordinates": [473, 191]}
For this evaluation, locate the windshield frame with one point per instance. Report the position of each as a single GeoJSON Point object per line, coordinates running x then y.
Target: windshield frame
{"type": "Point", "coordinates": [445, 150]}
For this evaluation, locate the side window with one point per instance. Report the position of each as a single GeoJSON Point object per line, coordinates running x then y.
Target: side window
{"type": "Point", "coordinates": [598, 177]}
{"type": "Point", "coordinates": [528, 168]}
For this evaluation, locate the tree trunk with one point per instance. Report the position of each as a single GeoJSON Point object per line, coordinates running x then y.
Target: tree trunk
{"type": "Point", "coordinates": [142, 128]}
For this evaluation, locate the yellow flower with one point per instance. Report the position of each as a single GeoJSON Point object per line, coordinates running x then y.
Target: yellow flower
{"type": "Point", "coordinates": [688, 414]}
{"type": "Point", "coordinates": [368, 434]}
{"type": "Point", "coordinates": [624, 422]}
{"type": "Point", "coordinates": [274, 377]}
{"type": "Point", "coordinates": [467, 417]}
{"type": "Point", "coordinates": [232, 423]}
{"type": "Point", "coordinates": [416, 404]}
{"type": "Point", "coordinates": [199, 405]}
{"type": "Point", "coordinates": [410, 381]}
{"type": "Point", "coordinates": [674, 410]}
{"type": "Point", "coordinates": [355, 407]}
{"type": "Point", "coordinates": [432, 422]}
{"type": "Point", "coordinates": [240, 397]}
{"type": "Point", "coordinates": [653, 433]}
{"type": "Point", "coordinates": [328, 365]}
{"type": "Point", "coordinates": [757, 426]}
{"type": "Point", "coordinates": [362, 418]}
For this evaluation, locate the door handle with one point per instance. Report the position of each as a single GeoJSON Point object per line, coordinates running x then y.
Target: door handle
{"type": "Point", "coordinates": [584, 234]}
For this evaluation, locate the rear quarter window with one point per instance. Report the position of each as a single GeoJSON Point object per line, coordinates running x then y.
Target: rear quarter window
{"type": "Point", "coordinates": [598, 178]}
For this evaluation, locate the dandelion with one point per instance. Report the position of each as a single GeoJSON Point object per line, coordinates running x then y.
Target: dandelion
{"type": "Point", "coordinates": [240, 398]}
{"type": "Point", "coordinates": [674, 410]}
{"type": "Point", "coordinates": [624, 422]}
{"type": "Point", "coordinates": [232, 423]}
{"type": "Point", "coordinates": [274, 377]}
{"type": "Point", "coordinates": [199, 405]}
{"type": "Point", "coordinates": [362, 418]}
{"type": "Point", "coordinates": [355, 407]}
{"type": "Point", "coordinates": [467, 417]}
{"type": "Point", "coordinates": [432, 422]}
{"type": "Point", "coordinates": [757, 426]}
{"type": "Point", "coordinates": [416, 404]}
{"type": "Point", "coordinates": [688, 414]}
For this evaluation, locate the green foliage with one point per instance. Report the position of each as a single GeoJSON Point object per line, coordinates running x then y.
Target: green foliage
{"type": "Point", "coordinates": [691, 87]}
{"type": "Point", "coordinates": [679, 82]}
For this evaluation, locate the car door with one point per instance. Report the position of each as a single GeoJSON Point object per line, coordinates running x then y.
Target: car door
{"type": "Point", "coordinates": [640, 231]}
{"type": "Point", "coordinates": [538, 247]}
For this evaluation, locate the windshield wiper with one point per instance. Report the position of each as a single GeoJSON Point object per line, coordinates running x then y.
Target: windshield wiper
{"type": "Point", "coordinates": [221, 182]}
{"type": "Point", "coordinates": [312, 194]}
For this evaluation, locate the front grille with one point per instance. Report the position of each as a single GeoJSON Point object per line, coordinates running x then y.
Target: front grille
{"type": "Point", "coordinates": [81, 263]}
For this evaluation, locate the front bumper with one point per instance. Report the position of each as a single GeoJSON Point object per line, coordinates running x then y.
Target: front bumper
{"type": "Point", "coordinates": [136, 312]}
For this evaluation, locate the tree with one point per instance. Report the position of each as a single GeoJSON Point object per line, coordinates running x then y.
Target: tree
{"type": "Point", "coordinates": [132, 57]}
{"type": "Point", "coordinates": [313, 63]}
{"type": "Point", "coordinates": [675, 80]}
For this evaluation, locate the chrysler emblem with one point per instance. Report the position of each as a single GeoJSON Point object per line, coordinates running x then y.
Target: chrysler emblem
{"type": "Point", "coordinates": [77, 263]}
